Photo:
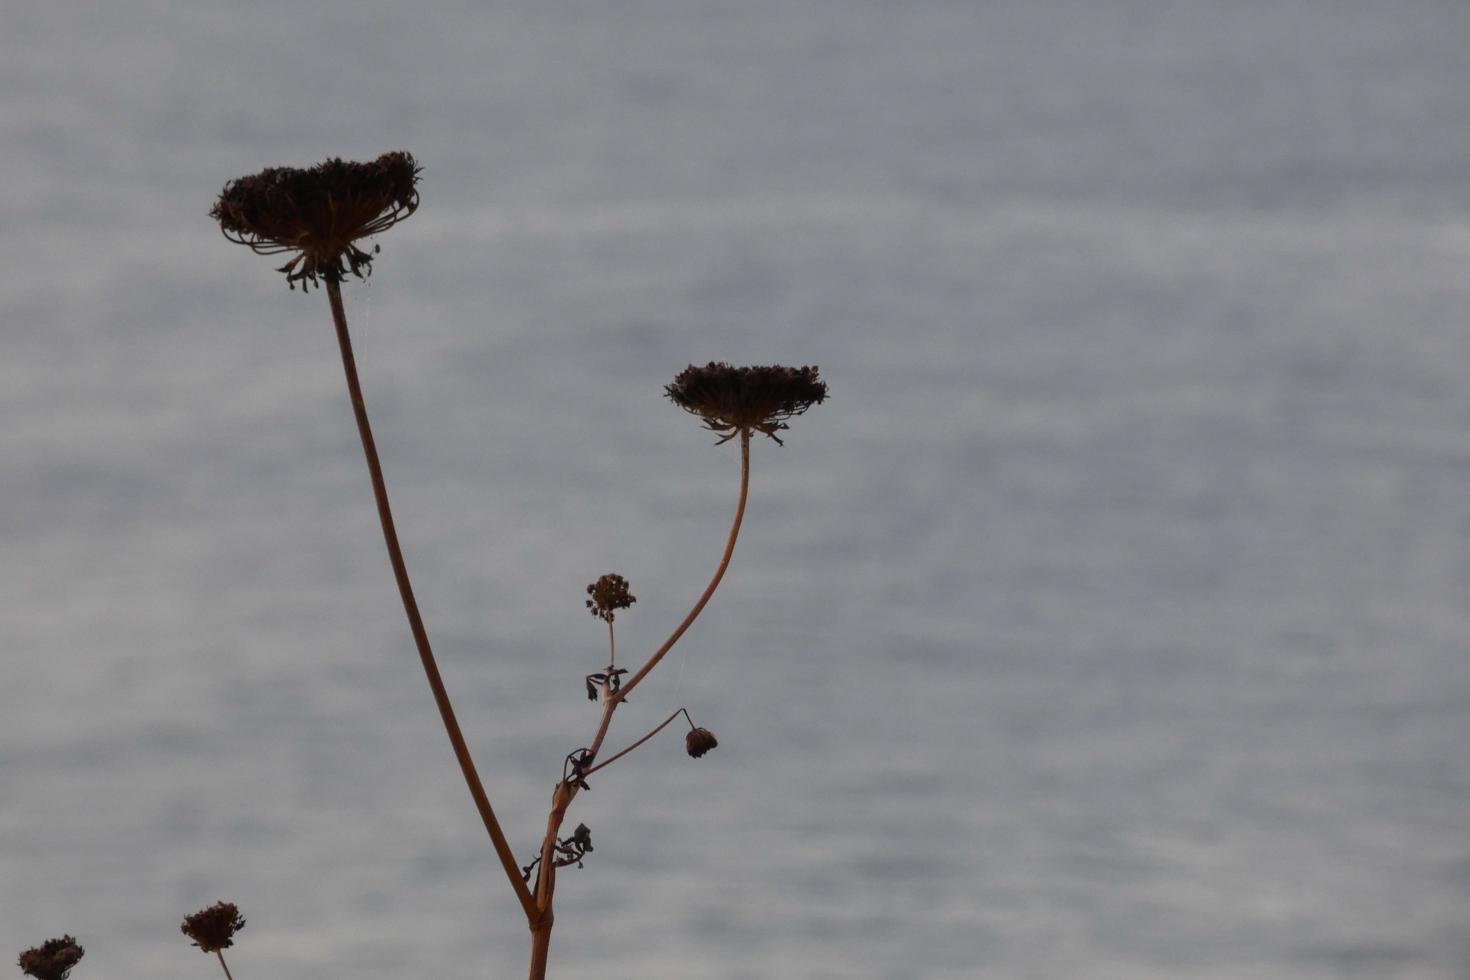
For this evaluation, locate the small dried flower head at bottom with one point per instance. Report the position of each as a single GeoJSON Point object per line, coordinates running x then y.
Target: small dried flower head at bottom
{"type": "Point", "coordinates": [319, 213]}
{"type": "Point", "coordinates": [609, 594]}
{"type": "Point", "coordinates": [699, 741]}
{"type": "Point", "coordinates": [52, 960]}
{"type": "Point", "coordinates": [732, 400]}
{"type": "Point", "coordinates": [214, 928]}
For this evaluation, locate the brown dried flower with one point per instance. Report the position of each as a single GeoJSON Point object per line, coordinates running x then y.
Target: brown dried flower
{"type": "Point", "coordinates": [732, 400]}
{"type": "Point", "coordinates": [699, 741]}
{"type": "Point", "coordinates": [319, 213]}
{"type": "Point", "coordinates": [52, 960]}
{"type": "Point", "coordinates": [609, 593]}
{"type": "Point", "coordinates": [214, 928]}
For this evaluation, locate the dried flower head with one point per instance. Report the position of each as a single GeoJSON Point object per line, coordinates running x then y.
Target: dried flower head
{"type": "Point", "coordinates": [732, 400]}
{"type": "Point", "coordinates": [52, 960]}
{"type": "Point", "coordinates": [699, 741]}
{"type": "Point", "coordinates": [214, 928]}
{"type": "Point", "coordinates": [319, 213]}
{"type": "Point", "coordinates": [609, 593]}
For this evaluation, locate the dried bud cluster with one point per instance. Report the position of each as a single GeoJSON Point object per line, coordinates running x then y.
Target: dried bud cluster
{"type": "Point", "coordinates": [732, 400]}
{"type": "Point", "coordinates": [319, 213]}
{"type": "Point", "coordinates": [609, 593]}
{"type": "Point", "coordinates": [214, 928]}
{"type": "Point", "coordinates": [52, 960]}
{"type": "Point", "coordinates": [699, 741]}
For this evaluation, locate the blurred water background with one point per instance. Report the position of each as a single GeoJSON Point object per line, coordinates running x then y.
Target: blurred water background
{"type": "Point", "coordinates": [1109, 621]}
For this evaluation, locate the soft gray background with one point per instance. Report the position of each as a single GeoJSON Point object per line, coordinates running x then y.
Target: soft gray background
{"type": "Point", "coordinates": [1109, 622]}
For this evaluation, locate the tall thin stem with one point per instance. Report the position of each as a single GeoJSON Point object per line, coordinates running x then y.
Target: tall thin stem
{"type": "Point", "coordinates": [415, 621]}
{"type": "Point", "coordinates": [221, 955]}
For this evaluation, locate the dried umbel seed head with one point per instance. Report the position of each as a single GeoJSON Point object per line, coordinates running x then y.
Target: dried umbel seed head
{"type": "Point", "coordinates": [52, 960]}
{"type": "Point", "coordinates": [214, 928]}
{"type": "Point", "coordinates": [699, 741]}
{"type": "Point", "coordinates": [609, 594]}
{"type": "Point", "coordinates": [732, 400]}
{"type": "Point", "coordinates": [319, 213]}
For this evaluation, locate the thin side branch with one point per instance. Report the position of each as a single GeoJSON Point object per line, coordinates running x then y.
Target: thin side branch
{"type": "Point", "coordinates": [661, 726]}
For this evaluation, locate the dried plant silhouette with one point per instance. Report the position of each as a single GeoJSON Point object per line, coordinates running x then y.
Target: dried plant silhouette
{"type": "Point", "coordinates": [52, 960]}
{"type": "Point", "coordinates": [319, 217]}
{"type": "Point", "coordinates": [213, 930]}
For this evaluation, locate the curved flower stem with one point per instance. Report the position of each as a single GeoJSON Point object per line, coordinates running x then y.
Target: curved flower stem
{"type": "Point", "coordinates": [415, 621]}
{"type": "Point", "coordinates": [661, 726]}
{"type": "Point", "coordinates": [221, 956]}
{"type": "Point", "coordinates": [713, 583]}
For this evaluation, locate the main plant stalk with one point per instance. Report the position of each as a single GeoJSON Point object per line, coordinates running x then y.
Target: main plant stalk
{"type": "Point", "coordinates": [415, 621]}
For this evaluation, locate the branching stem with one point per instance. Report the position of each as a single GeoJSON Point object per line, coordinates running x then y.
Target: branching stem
{"type": "Point", "coordinates": [566, 790]}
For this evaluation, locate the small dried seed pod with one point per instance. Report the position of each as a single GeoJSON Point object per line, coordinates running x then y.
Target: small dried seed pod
{"type": "Point", "coordinates": [52, 960]}
{"type": "Point", "coordinates": [699, 741]}
{"type": "Point", "coordinates": [609, 594]}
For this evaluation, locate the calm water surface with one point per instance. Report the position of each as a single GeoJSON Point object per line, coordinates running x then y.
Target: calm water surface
{"type": "Point", "coordinates": [1109, 622]}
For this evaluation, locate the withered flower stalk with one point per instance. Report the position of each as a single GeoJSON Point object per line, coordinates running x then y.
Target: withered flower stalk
{"type": "Point", "coordinates": [321, 213]}
{"type": "Point", "coordinates": [52, 960]}
{"type": "Point", "coordinates": [213, 930]}
{"type": "Point", "coordinates": [609, 594]}
{"type": "Point", "coordinates": [735, 401]}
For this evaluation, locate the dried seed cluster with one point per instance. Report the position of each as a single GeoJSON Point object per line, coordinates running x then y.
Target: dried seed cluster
{"type": "Point", "coordinates": [319, 213]}
{"type": "Point", "coordinates": [732, 400]}
{"type": "Point", "coordinates": [52, 960]}
{"type": "Point", "coordinates": [699, 741]}
{"type": "Point", "coordinates": [609, 594]}
{"type": "Point", "coordinates": [214, 928]}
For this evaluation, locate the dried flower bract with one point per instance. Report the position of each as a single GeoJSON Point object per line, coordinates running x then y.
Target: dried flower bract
{"type": "Point", "coordinates": [52, 960]}
{"type": "Point", "coordinates": [732, 400]}
{"type": "Point", "coordinates": [609, 593]}
{"type": "Point", "coordinates": [214, 928]}
{"type": "Point", "coordinates": [699, 741]}
{"type": "Point", "coordinates": [319, 213]}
